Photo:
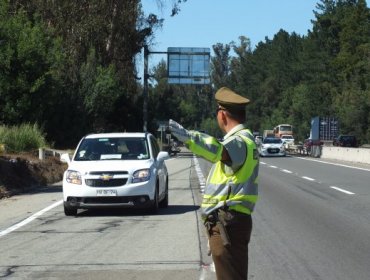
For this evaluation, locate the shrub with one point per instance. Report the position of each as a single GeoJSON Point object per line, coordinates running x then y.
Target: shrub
{"type": "Point", "coordinates": [23, 138]}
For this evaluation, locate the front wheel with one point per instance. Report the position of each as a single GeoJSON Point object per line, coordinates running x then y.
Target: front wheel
{"type": "Point", "coordinates": [68, 211]}
{"type": "Point", "coordinates": [155, 204]}
{"type": "Point", "coordinates": [164, 202]}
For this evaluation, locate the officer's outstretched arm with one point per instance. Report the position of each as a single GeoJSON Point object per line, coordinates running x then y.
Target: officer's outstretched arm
{"type": "Point", "coordinates": [206, 146]}
{"type": "Point", "coordinates": [199, 143]}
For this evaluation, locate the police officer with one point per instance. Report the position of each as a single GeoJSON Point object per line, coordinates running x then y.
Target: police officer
{"type": "Point", "coordinates": [232, 184]}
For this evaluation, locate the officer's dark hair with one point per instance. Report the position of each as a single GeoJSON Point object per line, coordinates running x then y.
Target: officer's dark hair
{"type": "Point", "coordinates": [236, 114]}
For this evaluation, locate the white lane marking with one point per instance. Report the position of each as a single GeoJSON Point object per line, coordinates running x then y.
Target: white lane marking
{"type": "Point", "coordinates": [286, 171]}
{"type": "Point", "coordinates": [202, 180]}
{"type": "Point", "coordinates": [341, 190]}
{"type": "Point", "coordinates": [29, 219]}
{"type": "Point", "coordinates": [261, 162]}
{"type": "Point", "coordinates": [202, 183]}
{"type": "Point", "coordinates": [311, 179]}
{"type": "Point", "coordinates": [273, 166]}
{"type": "Point", "coordinates": [308, 178]}
{"type": "Point", "coordinates": [337, 164]}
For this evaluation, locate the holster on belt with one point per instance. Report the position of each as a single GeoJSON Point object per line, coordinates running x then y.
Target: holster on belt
{"type": "Point", "coordinates": [214, 219]}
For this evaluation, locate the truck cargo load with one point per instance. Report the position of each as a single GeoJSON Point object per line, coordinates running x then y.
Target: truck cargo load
{"type": "Point", "coordinates": [324, 128]}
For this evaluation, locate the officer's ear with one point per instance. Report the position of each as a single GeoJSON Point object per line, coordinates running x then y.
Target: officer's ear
{"type": "Point", "coordinates": [224, 115]}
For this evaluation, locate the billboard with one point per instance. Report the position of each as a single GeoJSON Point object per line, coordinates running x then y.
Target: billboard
{"type": "Point", "coordinates": [188, 66]}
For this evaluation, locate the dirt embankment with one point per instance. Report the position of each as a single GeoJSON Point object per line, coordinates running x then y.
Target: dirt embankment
{"type": "Point", "coordinates": [22, 172]}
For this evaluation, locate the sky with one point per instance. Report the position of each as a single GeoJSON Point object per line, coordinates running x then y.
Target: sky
{"type": "Point", "coordinates": [203, 23]}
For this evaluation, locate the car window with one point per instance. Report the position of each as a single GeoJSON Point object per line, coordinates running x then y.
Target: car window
{"type": "Point", "coordinates": [114, 148]}
{"type": "Point", "coordinates": [272, 141]}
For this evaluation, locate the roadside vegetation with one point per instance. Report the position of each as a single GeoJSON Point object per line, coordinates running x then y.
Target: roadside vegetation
{"type": "Point", "coordinates": [23, 138]}
{"type": "Point", "coordinates": [20, 168]}
{"type": "Point", "coordinates": [71, 67]}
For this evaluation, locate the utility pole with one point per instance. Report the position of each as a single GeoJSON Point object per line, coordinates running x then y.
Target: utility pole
{"type": "Point", "coordinates": [145, 92]}
{"type": "Point", "coordinates": [197, 61]}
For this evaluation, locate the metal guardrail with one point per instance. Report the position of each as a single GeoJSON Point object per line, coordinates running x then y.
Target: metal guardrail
{"type": "Point", "coordinates": [46, 152]}
{"type": "Point", "coordinates": [314, 151]}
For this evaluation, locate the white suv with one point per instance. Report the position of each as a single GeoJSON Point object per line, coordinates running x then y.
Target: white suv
{"type": "Point", "coordinates": [116, 170]}
{"type": "Point", "coordinates": [288, 140]}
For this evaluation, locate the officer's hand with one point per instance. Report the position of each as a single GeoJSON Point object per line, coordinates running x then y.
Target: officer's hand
{"type": "Point", "coordinates": [179, 131]}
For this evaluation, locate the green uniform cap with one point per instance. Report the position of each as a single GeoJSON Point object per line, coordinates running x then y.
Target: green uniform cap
{"type": "Point", "coordinates": [229, 99]}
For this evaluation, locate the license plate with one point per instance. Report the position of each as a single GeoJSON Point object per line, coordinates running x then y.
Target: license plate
{"type": "Point", "coordinates": [106, 192]}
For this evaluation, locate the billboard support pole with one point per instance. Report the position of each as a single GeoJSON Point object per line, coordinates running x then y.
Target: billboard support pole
{"type": "Point", "coordinates": [145, 90]}
{"type": "Point", "coordinates": [188, 52]}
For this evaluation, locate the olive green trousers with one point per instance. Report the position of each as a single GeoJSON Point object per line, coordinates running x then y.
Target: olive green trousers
{"type": "Point", "coordinates": [231, 262]}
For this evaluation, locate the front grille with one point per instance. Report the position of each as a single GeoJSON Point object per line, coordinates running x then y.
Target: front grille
{"type": "Point", "coordinates": [109, 181]}
{"type": "Point", "coordinates": [105, 183]}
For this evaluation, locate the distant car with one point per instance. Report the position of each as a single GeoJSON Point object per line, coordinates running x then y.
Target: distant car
{"type": "Point", "coordinates": [345, 141]}
{"type": "Point", "coordinates": [272, 147]}
{"type": "Point", "coordinates": [287, 139]}
{"type": "Point", "coordinates": [124, 170]}
{"type": "Point", "coordinates": [258, 140]}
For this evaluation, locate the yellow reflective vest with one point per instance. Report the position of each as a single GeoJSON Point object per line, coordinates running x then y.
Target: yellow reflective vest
{"type": "Point", "coordinates": [237, 190]}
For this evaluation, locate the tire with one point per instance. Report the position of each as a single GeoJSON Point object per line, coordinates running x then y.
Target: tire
{"type": "Point", "coordinates": [68, 211]}
{"type": "Point", "coordinates": [155, 205]}
{"type": "Point", "coordinates": [164, 202]}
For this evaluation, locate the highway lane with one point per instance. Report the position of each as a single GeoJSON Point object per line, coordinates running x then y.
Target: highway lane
{"type": "Point", "coordinates": [112, 244]}
{"type": "Point", "coordinates": [305, 229]}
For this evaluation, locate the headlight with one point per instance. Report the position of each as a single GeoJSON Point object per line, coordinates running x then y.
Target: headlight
{"type": "Point", "coordinates": [74, 177]}
{"type": "Point", "coordinates": [141, 175]}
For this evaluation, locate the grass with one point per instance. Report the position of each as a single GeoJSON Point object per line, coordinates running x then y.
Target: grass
{"type": "Point", "coordinates": [22, 138]}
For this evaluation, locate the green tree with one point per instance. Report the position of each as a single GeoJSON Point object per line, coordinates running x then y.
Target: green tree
{"type": "Point", "coordinates": [30, 59]}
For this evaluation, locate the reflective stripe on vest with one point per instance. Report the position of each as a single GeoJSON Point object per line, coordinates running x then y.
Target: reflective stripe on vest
{"type": "Point", "coordinates": [243, 184]}
{"type": "Point", "coordinates": [204, 145]}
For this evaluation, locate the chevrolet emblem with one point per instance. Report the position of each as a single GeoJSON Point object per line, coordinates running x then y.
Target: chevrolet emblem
{"type": "Point", "coordinates": [106, 177]}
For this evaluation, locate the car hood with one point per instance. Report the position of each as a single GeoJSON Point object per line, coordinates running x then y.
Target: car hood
{"type": "Point", "coordinates": [109, 165]}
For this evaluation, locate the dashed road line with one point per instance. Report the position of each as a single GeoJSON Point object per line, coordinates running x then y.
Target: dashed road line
{"type": "Point", "coordinates": [308, 178]}
{"type": "Point", "coordinates": [341, 190]}
{"type": "Point", "coordinates": [286, 171]}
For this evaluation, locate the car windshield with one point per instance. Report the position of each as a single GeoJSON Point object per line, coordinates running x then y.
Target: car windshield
{"type": "Point", "coordinates": [114, 148]}
{"type": "Point", "coordinates": [272, 141]}
{"type": "Point", "coordinates": [287, 137]}
{"type": "Point", "coordinates": [285, 128]}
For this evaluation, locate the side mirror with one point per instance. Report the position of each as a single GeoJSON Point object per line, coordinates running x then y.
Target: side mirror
{"type": "Point", "coordinates": [65, 158]}
{"type": "Point", "coordinates": [163, 156]}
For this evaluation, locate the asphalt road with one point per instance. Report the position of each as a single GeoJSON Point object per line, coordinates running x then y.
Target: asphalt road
{"type": "Point", "coordinates": [312, 222]}
{"type": "Point", "coordinates": [38, 241]}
